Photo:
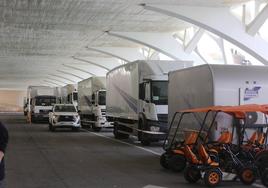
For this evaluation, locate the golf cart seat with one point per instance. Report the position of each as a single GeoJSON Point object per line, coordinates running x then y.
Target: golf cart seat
{"type": "Point", "coordinates": [225, 138]}
{"type": "Point", "coordinates": [191, 139]}
{"type": "Point", "coordinates": [261, 138]}
{"type": "Point", "coordinates": [190, 155]}
{"type": "Point", "coordinates": [204, 156]}
{"type": "Point", "coordinates": [253, 138]}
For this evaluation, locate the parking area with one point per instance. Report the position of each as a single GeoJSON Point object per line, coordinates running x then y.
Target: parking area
{"type": "Point", "coordinates": [39, 158]}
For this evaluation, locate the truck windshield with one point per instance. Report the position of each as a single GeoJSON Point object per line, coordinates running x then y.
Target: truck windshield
{"type": "Point", "coordinates": [63, 108]}
{"type": "Point", "coordinates": [45, 101]}
{"type": "Point", "coordinates": [75, 96]}
{"type": "Point", "coordinates": [159, 92]}
{"type": "Point", "coordinates": [102, 97]}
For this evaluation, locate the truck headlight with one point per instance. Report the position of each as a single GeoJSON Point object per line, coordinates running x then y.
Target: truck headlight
{"type": "Point", "coordinates": [55, 118]}
{"type": "Point", "coordinates": [77, 118]}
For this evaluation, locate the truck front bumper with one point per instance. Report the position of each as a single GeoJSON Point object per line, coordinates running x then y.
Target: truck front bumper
{"type": "Point", "coordinates": [156, 130]}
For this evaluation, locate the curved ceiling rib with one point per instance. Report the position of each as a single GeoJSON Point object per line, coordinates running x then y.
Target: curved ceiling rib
{"type": "Point", "coordinates": [68, 73]}
{"type": "Point", "coordinates": [82, 70]}
{"type": "Point", "coordinates": [90, 62]}
{"type": "Point", "coordinates": [63, 77]}
{"type": "Point", "coordinates": [219, 21]}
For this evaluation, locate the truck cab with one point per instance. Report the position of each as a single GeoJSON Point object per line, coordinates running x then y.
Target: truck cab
{"type": "Point", "coordinates": [153, 104]}
{"type": "Point", "coordinates": [40, 107]}
{"type": "Point", "coordinates": [72, 98]}
{"type": "Point", "coordinates": [98, 109]}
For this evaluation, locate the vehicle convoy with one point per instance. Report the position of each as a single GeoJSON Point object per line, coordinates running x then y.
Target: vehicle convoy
{"type": "Point", "coordinates": [233, 152]}
{"type": "Point", "coordinates": [69, 94]}
{"type": "Point", "coordinates": [215, 85]}
{"type": "Point", "coordinates": [40, 101]}
{"type": "Point", "coordinates": [137, 99]}
{"type": "Point", "coordinates": [64, 116]}
{"type": "Point", "coordinates": [92, 103]}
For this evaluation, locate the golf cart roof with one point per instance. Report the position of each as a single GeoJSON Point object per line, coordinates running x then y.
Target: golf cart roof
{"type": "Point", "coordinates": [237, 111]}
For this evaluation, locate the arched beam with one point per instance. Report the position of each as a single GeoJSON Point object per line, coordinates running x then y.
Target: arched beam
{"type": "Point", "coordinates": [161, 42]}
{"type": "Point", "coordinates": [52, 83]}
{"type": "Point", "coordinates": [142, 38]}
{"type": "Point", "coordinates": [124, 53]}
{"type": "Point", "coordinates": [194, 41]}
{"type": "Point", "coordinates": [258, 21]}
{"type": "Point", "coordinates": [63, 77]}
{"type": "Point", "coordinates": [90, 62]}
{"type": "Point", "coordinates": [220, 22]}
{"type": "Point", "coordinates": [53, 79]}
{"type": "Point", "coordinates": [82, 70]}
{"type": "Point", "coordinates": [68, 73]}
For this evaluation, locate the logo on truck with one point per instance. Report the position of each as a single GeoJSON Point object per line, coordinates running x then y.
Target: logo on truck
{"type": "Point", "coordinates": [251, 93]}
{"type": "Point", "coordinates": [132, 102]}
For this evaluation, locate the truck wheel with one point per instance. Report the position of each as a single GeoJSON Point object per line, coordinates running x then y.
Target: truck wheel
{"type": "Point", "coordinates": [33, 119]}
{"type": "Point", "coordinates": [117, 134]}
{"type": "Point", "coordinates": [143, 137]}
{"type": "Point", "coordinates": [75, 129]}
{"type": "Point", "coordinates": [95, 129]}
{"type": "Point", "coordinates": [51, 128]}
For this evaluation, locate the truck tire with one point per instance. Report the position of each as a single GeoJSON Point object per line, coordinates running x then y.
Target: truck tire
{"type": "Point", "coordinates": [143, 137]}
{"type": "Point", "coordinates": [51, 128]}
{"type": "Point", "coordinates": [33, 119]}
{"type": "Point", "coordinates": [117, 134]}
{"type": "Point", "coordinates": [75, 129]}
{"type": "Point", "coordinates": [95, 129]}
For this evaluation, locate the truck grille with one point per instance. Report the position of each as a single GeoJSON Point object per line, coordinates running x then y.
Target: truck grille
{"type": "Point", "coordinates": [162, 117]}
{"type": "Point", "coordinates": [103, 112]}
{"type": "Point", "coordinates": [66, 118]}
{"type": "Point", "coordinates": [43, 111]}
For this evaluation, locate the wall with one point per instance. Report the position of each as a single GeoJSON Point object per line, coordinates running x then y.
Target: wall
{"type": "Point", "coordinates": [11, 101]}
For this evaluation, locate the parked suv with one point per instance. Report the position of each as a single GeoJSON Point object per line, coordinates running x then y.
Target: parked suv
{"type": "Point", "coordinates": [64, 116]}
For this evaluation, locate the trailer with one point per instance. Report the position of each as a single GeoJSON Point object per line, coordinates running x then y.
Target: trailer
{"type": "Point", "coordinates": [137, 99]}
{"type": "Point", "coordinates": [40, 101]}
{"type": "Point", "coordinates": [92, 103]}
{"type": "Point", "coordinates": [213, 85]}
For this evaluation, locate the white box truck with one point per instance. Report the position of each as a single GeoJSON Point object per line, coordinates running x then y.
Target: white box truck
{"type": "Point", "coordinates": [92, 103]}
{"type": "Point", "coordinates": [69, 94]}
{"type": "Point", "coordinates": [212, 85]}
{"type": "Point", "coordinates": [137, 99]}
{"type": "Point", "coordinates": [40, 101]}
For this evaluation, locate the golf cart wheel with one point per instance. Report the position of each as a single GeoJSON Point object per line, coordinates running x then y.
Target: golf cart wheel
{"type": "Point", "coordinates": [264, 178]}
{"type": "Point", "coordinates": [192, 174]}
{"type": "Point", "coordinates": [213, 177]}
{"type": "Point", "coordinates": [164, 160]}
{"type": "Point", "coordinates": [247, 176]}
{"type": "Point", "coordinates": [177, 162]}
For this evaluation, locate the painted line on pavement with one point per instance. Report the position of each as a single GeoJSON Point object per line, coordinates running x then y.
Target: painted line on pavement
{"type": "Point", "coordinates": [122, 142]}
